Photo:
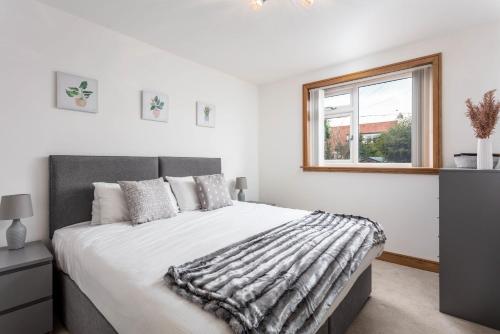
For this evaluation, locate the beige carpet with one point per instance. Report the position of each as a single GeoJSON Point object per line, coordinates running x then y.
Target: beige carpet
{"type": "Point", "coordinates": [403, 301]}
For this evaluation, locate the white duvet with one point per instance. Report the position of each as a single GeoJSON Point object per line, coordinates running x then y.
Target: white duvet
{"type": "Point", "coordinates": [120, 267]}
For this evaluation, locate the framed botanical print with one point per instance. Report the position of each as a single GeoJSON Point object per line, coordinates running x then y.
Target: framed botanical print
{"type": "Point", "coordinates": [155, 106]}
{"type": "Point", "coordinates": [76, 93]}
{"type": "Point", "coordinates": [205, 114]}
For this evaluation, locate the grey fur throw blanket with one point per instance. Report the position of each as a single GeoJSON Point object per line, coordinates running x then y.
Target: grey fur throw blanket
{"type": "Point", "coordinates": [279, 281]}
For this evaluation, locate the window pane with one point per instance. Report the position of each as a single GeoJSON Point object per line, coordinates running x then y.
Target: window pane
{"type": "Point", "coordinates": [335, 101]}
{"type": "Point", "coordinates": [385, 111]}
{"type": "Point", "coordinates": [338, 138]}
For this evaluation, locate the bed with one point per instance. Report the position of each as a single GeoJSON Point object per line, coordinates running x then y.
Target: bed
{"type": "Point", "coordinates": [109, 277]}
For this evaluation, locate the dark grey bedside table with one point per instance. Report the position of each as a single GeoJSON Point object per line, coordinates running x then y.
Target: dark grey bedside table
{"type": "Point", "coordinates": [26, 289]}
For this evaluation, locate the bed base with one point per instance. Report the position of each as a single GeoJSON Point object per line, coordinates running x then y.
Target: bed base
{"type": "Point", "coordinates": [75, 310]}
{"type": "Point", "coordinates": [79, 315]}
{"type": "Point", "coordinates": [349, 308]}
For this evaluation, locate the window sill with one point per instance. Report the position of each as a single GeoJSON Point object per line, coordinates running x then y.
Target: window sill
{"type": "Point", "coordinates": [388, 170]}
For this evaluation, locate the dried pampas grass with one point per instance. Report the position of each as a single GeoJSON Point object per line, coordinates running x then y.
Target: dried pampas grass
{"type": "Point", "coordinates": [483, 116]}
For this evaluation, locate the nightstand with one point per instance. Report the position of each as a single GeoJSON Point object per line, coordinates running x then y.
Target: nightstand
{"type": "Point", "coordinates": [26, 289]}
{"type": "Point", "coordinates": [257, 202]}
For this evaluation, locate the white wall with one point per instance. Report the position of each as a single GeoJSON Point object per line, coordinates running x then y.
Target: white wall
{"type": "Point", "coordinates": [406, 205]}
{"type": "Point", "coordinates": [37, 40]}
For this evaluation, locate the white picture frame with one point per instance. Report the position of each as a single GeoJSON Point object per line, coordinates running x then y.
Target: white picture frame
{"type": "Point", "coordinates": [155, 106]}
{"type": "Point", "coordinates": [205, 114]}
{"type": "Point", "coordinates": [77, 93]}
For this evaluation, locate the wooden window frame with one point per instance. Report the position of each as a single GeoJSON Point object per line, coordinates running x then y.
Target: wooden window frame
{"type": "Point", "coordinates": [435, 61]}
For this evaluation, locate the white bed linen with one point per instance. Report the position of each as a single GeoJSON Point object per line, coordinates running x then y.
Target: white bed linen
{"type": "Point", "coordinates": [120, 267]}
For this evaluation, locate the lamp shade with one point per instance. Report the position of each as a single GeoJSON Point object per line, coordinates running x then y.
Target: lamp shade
{"type": "Point", "coordinates": [15, 207]}
{"type": "Point", "coordinates": [241, 183]}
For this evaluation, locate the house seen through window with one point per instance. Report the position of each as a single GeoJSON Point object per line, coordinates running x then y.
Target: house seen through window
{"type": "Point", "coordinates": [384, 123]}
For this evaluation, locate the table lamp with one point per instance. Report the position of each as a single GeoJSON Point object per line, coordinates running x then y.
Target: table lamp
{"type": "Point", "coordinates": [241, 183]}
{"type": "Point", "coordinates": [16, 207]}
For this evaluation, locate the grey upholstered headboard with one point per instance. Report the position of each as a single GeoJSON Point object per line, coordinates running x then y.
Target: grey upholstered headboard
{"type": "Point", "coordinates": [180, 166]}
{"type": "Point", "coordinates": [71, 178]}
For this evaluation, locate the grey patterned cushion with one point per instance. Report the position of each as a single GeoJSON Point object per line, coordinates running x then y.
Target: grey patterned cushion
{"type": "Point", "coordinates": [147, 200]}
{"type": "Point", "coordinates": [212, 191]}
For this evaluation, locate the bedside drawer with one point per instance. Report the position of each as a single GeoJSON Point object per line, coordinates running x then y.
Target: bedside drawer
{"type": "Point", "coordinates": [34, 319]}
{"type": "Point", "coordinates": [25, 286]}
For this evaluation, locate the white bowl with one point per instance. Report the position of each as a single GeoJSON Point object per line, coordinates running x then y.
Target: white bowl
{"type": "Point", "coordinates": [469, 160]}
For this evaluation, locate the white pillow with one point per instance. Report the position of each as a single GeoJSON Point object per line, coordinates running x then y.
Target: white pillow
{"type": "Point", "coordinates": [112, 204]}
{"type": "Point", "coordinates": [96, 211]}
{"type": "Point", "coordinates": [108, 192]}
{"type": "Point", "coordinates": [171, 197]}
{"type": "Point", "coordinates": [184, 190]}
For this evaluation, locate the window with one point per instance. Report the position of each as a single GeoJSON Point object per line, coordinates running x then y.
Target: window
{"type": "Point", "coordinates": [380, 120]}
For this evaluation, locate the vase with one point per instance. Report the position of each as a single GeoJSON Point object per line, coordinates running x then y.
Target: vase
{"type": "Point", "coordinates": [484, 153]}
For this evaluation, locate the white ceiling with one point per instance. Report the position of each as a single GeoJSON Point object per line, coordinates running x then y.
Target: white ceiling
{"type": "Point", "coordinates": [282, 39]}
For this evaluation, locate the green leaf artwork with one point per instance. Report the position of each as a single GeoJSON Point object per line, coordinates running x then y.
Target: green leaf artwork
{"type": "Point", "coordinates": [156, 106]}
{"type": "Point", "coordinates": [80, 93]}
{"type": "Point", "coordinates": [206, 112]}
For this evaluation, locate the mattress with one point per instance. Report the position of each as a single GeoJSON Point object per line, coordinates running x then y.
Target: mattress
{"type": "Point", "coordinates": [120, 267]}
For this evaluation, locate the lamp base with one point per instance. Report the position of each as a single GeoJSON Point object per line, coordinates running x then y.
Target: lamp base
{"type": "Point", "coordinates": [241, 196]}
{"type": "Point", "coordinates": [16, 235]}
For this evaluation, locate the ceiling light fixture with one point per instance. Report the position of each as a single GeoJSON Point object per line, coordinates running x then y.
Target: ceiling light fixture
{"type": "Point", "coordinates": [307, 3]}
{"type": "Point", "coordinates": [258, 4]}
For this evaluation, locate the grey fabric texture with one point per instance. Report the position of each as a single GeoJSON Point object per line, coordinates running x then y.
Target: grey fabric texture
{"type": "Point", "coordinates": [212, 191]}
{"type": "Point", "coordinates": [186, 166]}
{"type": "Point", "coordinates": [75, 310]}
{"type": "Point", "coordinates": [282, 280]}
{"type": "Point", "coordinates": [79, 315]}
{"type": "Point", "coordinates": [147, 200]}
{"type": "Point", "coordinates": [351, 305]}
{"type": "Point", "coordinates": [71, 177]}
